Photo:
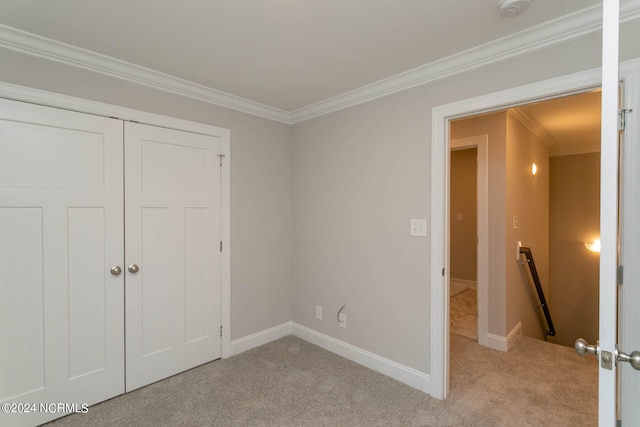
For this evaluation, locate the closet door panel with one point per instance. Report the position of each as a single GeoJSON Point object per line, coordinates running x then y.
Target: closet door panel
{"type": "Point", "coordinates": [61, 231]}
{"type": "Point", "coordinates": [172, 200]}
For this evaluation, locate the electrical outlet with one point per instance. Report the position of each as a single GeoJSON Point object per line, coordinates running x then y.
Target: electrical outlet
{"type": "Point", "coordinates": [318, 312]}
{"type": "Point", "coordinates": [342, 320]}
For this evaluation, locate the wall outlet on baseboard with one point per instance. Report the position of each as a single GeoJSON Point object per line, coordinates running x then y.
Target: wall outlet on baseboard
{"type": "Point", "coordinates": [342, 320]}
{"type": "Point", "coordinates": [318, 312]}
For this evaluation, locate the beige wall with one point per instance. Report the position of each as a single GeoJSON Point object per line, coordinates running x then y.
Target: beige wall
{"type": "Point", "coordinates": [463, 248]}
{"type": "Point", "coordinates": [574, 271]}
{"type": "Point", "coordinates": [512, 192]}
{"type": "Point", "coordinates": [494, 126]}
{"type": "Point", "coordinates": [528, 199]}
{"type": "Point", "coordinates": [260, 182]}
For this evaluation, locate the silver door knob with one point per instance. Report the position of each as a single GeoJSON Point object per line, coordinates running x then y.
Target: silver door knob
{"type": "Point", "coordinates": [133, 268]}
{"type": "Point", "coordinates": [116, 270]}
{"type": "Point", "coordinates": [582, 347]}
{"type": "Point", "coordinates": [633, 358]}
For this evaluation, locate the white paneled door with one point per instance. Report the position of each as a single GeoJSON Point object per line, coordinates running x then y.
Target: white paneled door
{"type": "Point", "coordinates": [172, 203]}
{"type": "Point", "coordinates": [110, 258]}
{"type": "Point", "coordinates": [61, 232]}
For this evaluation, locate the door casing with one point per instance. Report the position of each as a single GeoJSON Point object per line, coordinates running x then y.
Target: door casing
{"type": "Point", "coordinates": [439, 250]}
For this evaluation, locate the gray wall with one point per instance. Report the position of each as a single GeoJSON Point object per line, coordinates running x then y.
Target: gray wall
{"type": "Point", "coordinates": [359, 175]}
{"type": "Point", "coordinates": [260, 182]}
{"type": "Point", "coordinates": [338, 190]}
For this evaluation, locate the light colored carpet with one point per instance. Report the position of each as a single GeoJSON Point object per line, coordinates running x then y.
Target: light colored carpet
{"type": "Point", "coordinates": [463, 313]}
{"type": "Point", "coordinates": [290, 382]}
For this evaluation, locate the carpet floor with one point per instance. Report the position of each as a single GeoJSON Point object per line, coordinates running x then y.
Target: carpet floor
{"type": "Point", "coordinates": [290, 382]}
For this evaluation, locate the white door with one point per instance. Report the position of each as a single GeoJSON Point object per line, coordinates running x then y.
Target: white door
{"type": "Point", "coordinates": [629, 291]}
{"type": "Point", "coordinates": [61, 231]}
{"type": "Point", "coordinates": [614, 343]}
{"type": "Point", "coordinates": [172, 229]}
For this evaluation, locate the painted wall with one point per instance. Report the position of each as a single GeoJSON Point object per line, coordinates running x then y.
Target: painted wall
{"type": "Point", "coordinates": [260, 182]}
{"type": "Point", "coordinates": [463, 221]}
{"type": "Point", "coordinates": [574, 219]}
{"type": "Point", "coordinates": [495, 127]}
{"type": "Point", "coordinates": [528, 200]}
{"type": "Point", "coordinates": [337, 192]}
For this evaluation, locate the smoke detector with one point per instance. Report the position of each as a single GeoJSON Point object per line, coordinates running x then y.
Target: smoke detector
{"type": "Point", "coordinates": [510, 8]}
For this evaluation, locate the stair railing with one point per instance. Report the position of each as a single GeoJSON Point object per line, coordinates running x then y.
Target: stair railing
{"type": "Point", "coordinates": [536, 280]}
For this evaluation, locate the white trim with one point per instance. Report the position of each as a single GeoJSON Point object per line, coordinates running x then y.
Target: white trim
{"type": "Point", "coordinates": [31, 44]}
{"type": "Point", "coordinates": [260, 338]}
{"type": "Point", "coordinates": [440, 117]}
{"type": "Point", "coordinates": [609, 163]}
{"type": "Point", "coordinates": [565, 28]}
{"type": "Point", "coordinates": [497, 342]}
{"type": "Point", "coordinates": [50, 99]}
{"type": "Point", "coordinates": [225, 262]}
{"type": "Point", "coordinates": [533, 125]}
{"type": "Point", "coordinates": [481, 142]}
{"type": "Point", "coordinates": [404, 374]}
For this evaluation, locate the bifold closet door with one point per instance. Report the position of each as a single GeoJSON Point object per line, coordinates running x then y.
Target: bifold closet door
{"type": "Point", "coordinates": [172, 235]}
{"type": "Point", "coordinates": [61, 232]}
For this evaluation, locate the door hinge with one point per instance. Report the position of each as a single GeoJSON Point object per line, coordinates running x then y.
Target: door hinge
{"type": "Point", "coordinates": [220, 245]}
{"type": "Point", "coordinates": [221, 156]}
{"type": "Point", "coordinates": [220, 330]}
{"type": "Point", "coordinates": [619, 274]}
{"type": "Point", "coordinates": [622, 118]}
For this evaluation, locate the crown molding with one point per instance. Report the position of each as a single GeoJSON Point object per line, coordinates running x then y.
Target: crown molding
{"type": "Point", "coordinates": [533, 125]}
{"type": "Point", "coordinates": [565, 28]}
{"type": "Point", "coordinates": [31, 44]}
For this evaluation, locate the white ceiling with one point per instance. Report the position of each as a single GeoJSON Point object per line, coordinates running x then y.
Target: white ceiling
{"type": "Point", "coordinates": [286, 54]}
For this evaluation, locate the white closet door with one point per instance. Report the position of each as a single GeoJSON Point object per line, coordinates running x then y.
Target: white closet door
{"type": "Point", "coordinates": [172, 229]}
{"type": "Point", "coordinates": [61, 228]}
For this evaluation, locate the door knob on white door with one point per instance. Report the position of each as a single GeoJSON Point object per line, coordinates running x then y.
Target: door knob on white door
{"type": "Point", "coordinates": [633, 358]}
{"type": "Point", "coordinates": [582, 347]}
{"type": "Point", "coordinates": [133, 268]}
{"type": "Point", "coordinates": [116, 270]}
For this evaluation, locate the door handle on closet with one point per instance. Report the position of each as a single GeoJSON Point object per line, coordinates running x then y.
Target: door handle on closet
{"type": "Point", "coordinates": [116, 270]}
{"type": "Point", "coordinates": [133, 268]}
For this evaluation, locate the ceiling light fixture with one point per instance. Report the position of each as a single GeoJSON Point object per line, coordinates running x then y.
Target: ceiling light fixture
{"type": "Point", "coordinates": [509, 8]}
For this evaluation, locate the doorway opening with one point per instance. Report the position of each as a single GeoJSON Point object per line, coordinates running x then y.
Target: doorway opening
{"type": "Point", "coordinates": [502, 329]}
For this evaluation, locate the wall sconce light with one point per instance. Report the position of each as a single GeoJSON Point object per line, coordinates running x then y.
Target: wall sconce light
{"type": "Point", "coordinates": [534, 169]}
{"type": "Point", "coordinates": [594, 246]}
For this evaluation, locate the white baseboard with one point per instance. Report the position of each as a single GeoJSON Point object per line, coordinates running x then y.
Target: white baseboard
{"type": "Point", "coordinates": [260, 338]}
{"type": "Point", "coordinates": [397, 371]}
{"type": "Point", "coordinates": [497, 342]}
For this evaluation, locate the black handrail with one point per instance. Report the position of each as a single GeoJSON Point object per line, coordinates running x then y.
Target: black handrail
{"type": "Point", "coordinates": [536, 280]}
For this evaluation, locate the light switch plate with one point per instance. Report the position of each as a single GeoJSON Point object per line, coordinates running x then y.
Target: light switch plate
{"type": "Point", "coordinates": [419, 227]}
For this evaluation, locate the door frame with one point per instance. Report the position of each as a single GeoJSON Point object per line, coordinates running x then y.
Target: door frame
{"type": "Point", "coordinates": [439, 205]}
{"type": "Point", "coordinates": [51, 99]}
{"type": "Point", "coordinates": [481, 143]}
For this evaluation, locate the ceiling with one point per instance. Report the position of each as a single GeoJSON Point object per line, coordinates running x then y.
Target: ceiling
{"type": "Point", "coordinates": [290, 60]}
{"type": "Point", "coordinates": [568, 125]}
{"type": "Point", "coordinates": [286, 54]}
